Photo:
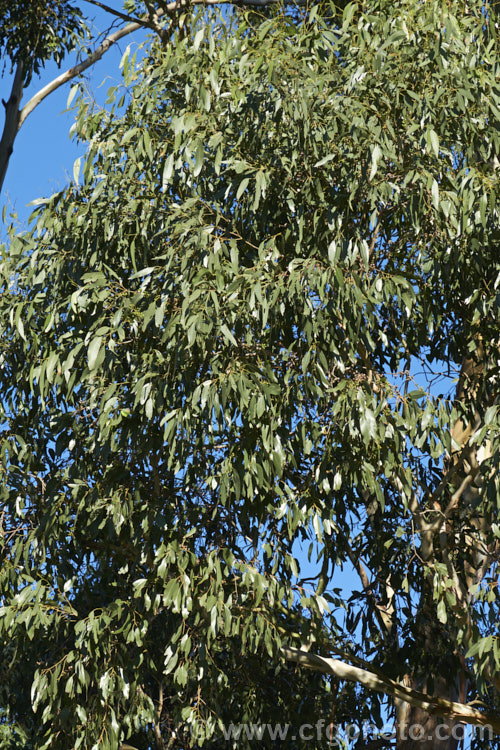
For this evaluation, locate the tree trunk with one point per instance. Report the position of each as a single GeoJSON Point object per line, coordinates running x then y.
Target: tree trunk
{"type": "Point", "coordinates": [11, 125]}
{"type": "Point", "coordinates": [418, 730]}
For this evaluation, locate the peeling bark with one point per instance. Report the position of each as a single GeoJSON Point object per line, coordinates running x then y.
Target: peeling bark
{"type": "Point", "coordinates": [417, 729]}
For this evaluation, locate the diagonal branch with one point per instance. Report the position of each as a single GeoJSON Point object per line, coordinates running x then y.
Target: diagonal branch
{"type": "Point", "coordinates": [124, 16]}
{"type": "Point", "coordinates": [110, 40]}
{"type": "Point", "coordinates": [439, 706]}
{"type": "Point", "coordinates": [15, 118]}
{"type": "Point", "coordinates": [76, 70]}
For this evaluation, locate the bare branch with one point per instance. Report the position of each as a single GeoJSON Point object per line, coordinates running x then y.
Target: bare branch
{"type": "Point", "coordinates": [71, 73]}
{"type": "Point", "coordinates": [117, 13]}
{"type": "Point", "coordinates": [14, 118]}
{"type": "Point", "coordinates": [381, 612]}
{"type": "Point", "coordinates": [157, 725]}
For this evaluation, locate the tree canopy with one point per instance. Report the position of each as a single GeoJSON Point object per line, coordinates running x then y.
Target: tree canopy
{"type": "Point", "coordinates": [258, 336]}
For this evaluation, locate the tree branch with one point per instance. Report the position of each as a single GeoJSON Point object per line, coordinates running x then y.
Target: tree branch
{"type": "Point", "coordinates": [157, 725]}
{"type": "Point", "coordinates": [71, 73]}
{"type": "Point", "coordinates": [15, 119]}
{"type": "Point", "coordinates": [438, 706]}
{"type": "Point", "coordinates": [117, 13]}
{"type": "Point", "coordinates": [382, 613]}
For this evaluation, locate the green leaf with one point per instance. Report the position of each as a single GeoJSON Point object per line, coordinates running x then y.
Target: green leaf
{"type": "Point", "coordinates": [242, 187]}
{"type": "Point", "coordinates": [228, 335]}
{"type": "Point", "coordinates": [435, 194]}
{"type": "Point", "coordinates": [441, 612]}
{"type": "Point", "coordinates": [198, 158]}
{"type": "Point", "coordinates": [434, 141]}
{"type": "Point", "coordinates": [376, 155]}
{"type": "Point", "coordinates": [72, 93]}
{"type": "Point", "coordinates": [368, 425]}
{"type": "Point", "coordinates": [93, 351]}
{"type": "Point", "coordinates": [76, 169]}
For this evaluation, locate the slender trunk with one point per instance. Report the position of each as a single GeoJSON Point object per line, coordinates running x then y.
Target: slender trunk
{"type": "Point", "coordinates": [12, 120]}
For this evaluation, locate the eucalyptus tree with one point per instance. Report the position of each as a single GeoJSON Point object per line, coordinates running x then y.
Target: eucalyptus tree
{"type": "Point", "coordinates": [263, 319]}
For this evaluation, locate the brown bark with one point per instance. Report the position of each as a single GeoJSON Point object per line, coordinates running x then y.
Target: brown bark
{"type": "Point", "coordinates": [416, 729]}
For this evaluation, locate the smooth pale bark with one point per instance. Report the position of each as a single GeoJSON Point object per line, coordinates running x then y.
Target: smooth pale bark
{"type": "Point", "coordinates": [435, 705]}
